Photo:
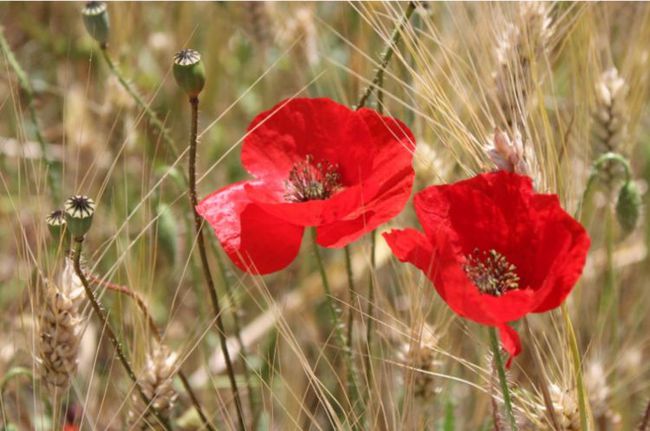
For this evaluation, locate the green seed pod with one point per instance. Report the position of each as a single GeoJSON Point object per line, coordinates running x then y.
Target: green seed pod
{"type": "Point", "coordinates": [56, 224]}
{"type": "Point", "coordinates": [189, 71]}
{"type": "Point", "coordinates": [95, 16]}
{"type": "Point", "coordinates": [628, 206]}
{"type": "Point", "coordinates": [79, 211]}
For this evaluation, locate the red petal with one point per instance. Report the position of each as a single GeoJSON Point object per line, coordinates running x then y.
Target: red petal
{"type": "Point", "coordinates": [255, 241]}
{"type": "Point", "coordinates": [488, 211]}
{"type": "Point", "coordinates": [410, 245]}
{"type": "Point", "coordinates": [510, 342]}
{"type": "Point", "coordinates": [295, 128]}
{"type": "Point", "coordinates": [386, 204]}
{"type": "Point", "coordinates": [561, 253]}
{"type": "Point", "coordinates": [374, 155]}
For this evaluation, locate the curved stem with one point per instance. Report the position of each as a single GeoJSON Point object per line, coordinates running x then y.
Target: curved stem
{"type": "Point", "coordinates": [498, 363]}
{"type": "Point", "coordinates": [212, 291]}
{"type": "Point", "coordinates": [152, 117]}
{"type": "Point", "coordinates": [153, 328]}
{"type": "Point", "coordinates": [117, 345]}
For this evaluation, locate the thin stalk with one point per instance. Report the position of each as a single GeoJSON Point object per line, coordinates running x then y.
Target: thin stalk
{"type": "Point", "coordinates": [243, 350]}
{"type": "Point", "coordinates": [387, 54]}
{"type": "Point", "coordinates": [577, 365]}
{"type": "Point", "coordinates": [548, 401]}
{"type": "Point", "coordinates": [352, 377]}
{"type": "Point", "coordinates": [53, 168]}
{"type": "Point", "coordinates": [153, 328]}
{"type": "Point", "coordinates": [352, 293]}
{"type": "Point", "coordinates": [212, 291]}
{"type": "Point", "coordinates": [335, 317]}
{"type": "Point", "coordinates": [99, 310]}
{"type": "Point", "coordinates": [608, 303]}
{"type": "Point", "coordinates": [501, 371]}
{"type": "Point", "coordinates": [152, 117]}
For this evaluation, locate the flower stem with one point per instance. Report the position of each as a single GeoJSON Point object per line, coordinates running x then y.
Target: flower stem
{"type": "Point", "coordinates": [153, 328]}
{"type": "Point", "coordinates": [212, 291]}
{"type": "Point", "coordinates": [352, 378]}
{"type": "Point", "coordinates": [117, 345]}
{"type": "Point", "coordinates": [387, 54]}
{"type": "Point", "coordinates": [335, 317]}
{"type": "Point", "coordinates": [498, 362]}
{"type": "Point", "coordinates": [577, 365]}
{"type": "Point", "coordinates": [52, 167]}
{"type": "Point", "coordinates": [152, 117]}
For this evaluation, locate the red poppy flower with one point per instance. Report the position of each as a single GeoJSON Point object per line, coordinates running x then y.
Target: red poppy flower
{"type": "Point", "coordinates": [315, 163]}
{"type": "Point", "coordinates": [494, 249]}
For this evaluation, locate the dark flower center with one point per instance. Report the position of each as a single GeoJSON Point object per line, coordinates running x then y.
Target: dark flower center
{"type": "Point", "coordinates": [491, 272]}
{"type": "Point", "coordinates": [310, 181]}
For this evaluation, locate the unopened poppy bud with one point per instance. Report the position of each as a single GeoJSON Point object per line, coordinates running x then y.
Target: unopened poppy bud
{"type": "Point", "coordinates": [628, 206]}
{"type": "Point", "coordinates": [56, 224]}
{"type": "Point", "coordinates": [79, 211]}
{"type": "Point", "coordinates": [189, 71]}
{"type": "Point", "coordinates": [95, 16]}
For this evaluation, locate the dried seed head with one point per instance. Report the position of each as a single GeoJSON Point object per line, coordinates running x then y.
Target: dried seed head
{"type": "Point", "coordinates": [420, 356]}
{"type": "Point", "coordinates": [610, 113]}
{"type": "Point", "coordinates": [189, 71]}
{"type": "Point", "coordinates": [156, 382]}
{"type": "Point", "coordinates": [521, 44]}
{"type": "Point", "coordinates": [566, 408]}
{"type": "Point", "coordinates": [60, 329]}
{"type": "Point", "coordinates": [628, 206]}
{"type": "Point", "coordinates": [508, 154]}
{"type": "Point", "coordinates": [79, 212]}
{"type": "Point", "coordinates": [95, 17]}
{"type": "Point", "coordinates": [56, 224]}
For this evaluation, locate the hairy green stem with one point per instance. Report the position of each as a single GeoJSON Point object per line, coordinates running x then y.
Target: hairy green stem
{"type": "Point", "coordinates": [501, 371]}
{"type": "Point", "coordinates": [352, 374]}
{"type": "Point", "coordinates": [53, 168]}
{"type": "Point", "coordinates": [117, 345]}
{"type": "Point", "coordinates": [387, 54]}
{"type": "Point", "coordinates": [335, 317]}
{"type": "Point", "coordinates": [212, 291]}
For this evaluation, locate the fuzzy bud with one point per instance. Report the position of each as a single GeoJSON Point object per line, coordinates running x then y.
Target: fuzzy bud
{"type": "Point", "coordinates": [79, 211]}
{"type": "Point", "coordinates": [189, 71]}
{"type": "Point", "coordinates": [56, 224]}
{"type": "Point", "coordinates": [95, 17]}
{"type": "Point", "coordinates": [628, 206]}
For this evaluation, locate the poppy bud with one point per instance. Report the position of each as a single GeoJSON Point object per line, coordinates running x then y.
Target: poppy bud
{"type": "Point", "coordinates": [95, 17]}
{"type": "Point", "coordinates": [56, 224]}
{"type": "Point", "coordinates": [189, 71]}
{"type": "Point", "coordinates": [628, 206]}
{"type": "Point", "coordinates": [79, 211]}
